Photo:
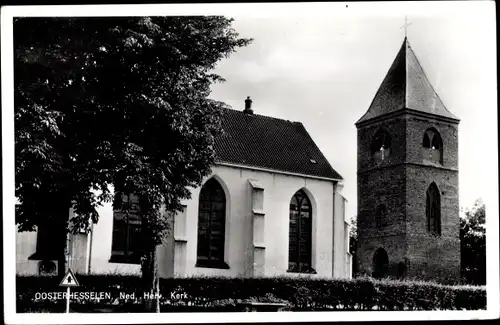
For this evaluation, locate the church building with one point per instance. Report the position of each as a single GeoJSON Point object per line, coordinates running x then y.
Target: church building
{"type": "Point", "coordinates": [271, 206]}
{"type": "Point", "coordinates": [408, 208]}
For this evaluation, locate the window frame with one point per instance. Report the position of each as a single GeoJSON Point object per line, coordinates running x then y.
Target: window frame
{"type": "Point", "coordinates": [381, 142]}
{"type": "Point", "coordinates": [380, 263]}
{"type": "Point", "coordinates": [208, 196]}
{"type": "Point", "coordinates": [432, 142]}
{"type": "Point", "coordinates": [131, 219]}
{"type": "Point", "coordinates": [299, 265]}
{"type": "Point", "coordinates": [433, 210]}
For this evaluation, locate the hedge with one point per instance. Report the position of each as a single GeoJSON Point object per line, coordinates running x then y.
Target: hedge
{"type": "Point", "coordinates": [205, 294]}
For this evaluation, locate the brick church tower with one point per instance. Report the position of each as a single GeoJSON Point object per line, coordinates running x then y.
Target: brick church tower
{"type": "Point", "coordinates": [408, 210]}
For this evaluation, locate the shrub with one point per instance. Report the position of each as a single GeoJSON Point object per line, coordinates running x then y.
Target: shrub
{"type": "Point", "coordinates": [218, 294]}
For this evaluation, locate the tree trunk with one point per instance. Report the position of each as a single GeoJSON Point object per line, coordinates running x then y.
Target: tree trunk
{"type": "Point", "coordinates": [62, 263]}
{"type": "Point", "coordinates": [61, 233]}
{"type": "Point", "coordinates": [151, 281]}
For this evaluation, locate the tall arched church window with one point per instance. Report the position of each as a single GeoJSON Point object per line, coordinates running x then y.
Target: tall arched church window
{"type": "Point", "coordinates": [211, 225]}
{"type": "Point", "coordinates": [381, 145]}
{"type": "Point", "coordinates": [433, 210]}
{"type": "Point", "coordinates": [300, 234]}
{"type": "Point", "coordinates": [432, 145]}
{"type": "Point", "coordinates": [126, 244]}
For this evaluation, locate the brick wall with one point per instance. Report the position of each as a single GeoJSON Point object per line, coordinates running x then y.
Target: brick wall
{"type": "Point", "coordinates": [415, 129]}
{"type": "Point", "coordinates": [400, 181]}
{"type": "Point", "coordinates": [433, 257]}
{"type": "Point", "coordinates": [381, 186]}
{"type": "Point", "coordinates": [396, 128]}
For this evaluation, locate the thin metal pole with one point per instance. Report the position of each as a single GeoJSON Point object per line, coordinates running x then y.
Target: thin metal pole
{"type": "Point", "coordinates": [157, 292]}
{"type": "Point", "coordinates": [406, 25]}
{"type": "Point", "coordinates": [91, 236]}
{"type": "Point", "coordinates": [67, 299]}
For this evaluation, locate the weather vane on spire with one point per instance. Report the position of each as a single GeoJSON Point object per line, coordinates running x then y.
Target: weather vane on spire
{"type": "Point", "coordinates": [405, 26]}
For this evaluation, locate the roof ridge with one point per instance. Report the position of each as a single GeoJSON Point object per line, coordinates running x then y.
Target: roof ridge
{"type": "Point", "coordinates": [273, 143]}
{"type": "Point", "coordinates": [395, 63]}
{"type": "Point", "coordinates": [406, 44]}
{"type": "Point", "coordinates": [264, 116]}
{"type": "Point", "coordinates": [427, 78]}
{"type": "Point", "coordinates": [313, 144]}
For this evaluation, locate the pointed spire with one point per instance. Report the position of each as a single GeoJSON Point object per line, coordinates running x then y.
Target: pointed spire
{"type": "Point", "coordinates": [406, 87]}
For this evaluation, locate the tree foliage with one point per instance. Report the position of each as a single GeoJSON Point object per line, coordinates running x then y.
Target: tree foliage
{"type": "Point", "coordinates": [353, 242]}
{"type": "Point", "coordinates": [473, 244]}
{"type": "Point", "coordinates": [114, 101]}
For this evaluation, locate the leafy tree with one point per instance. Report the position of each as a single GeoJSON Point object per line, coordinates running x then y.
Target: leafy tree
{"type": "Point", "coordinates": [114, 101]}
{"type": "Point", "coordinates": [353, 242]}
{"type": "Point", "coordinates": [473, 244]}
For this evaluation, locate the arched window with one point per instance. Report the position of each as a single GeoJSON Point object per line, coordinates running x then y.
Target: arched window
{"type": "Point", "coordinates": [126, 243]}
{"type": "Point", "coordinates": [380, 263]}
{"type": "Point", "coordinates": [427, 141]}
{"type": "Point", "coordinates": [211, 225]}
{"type": "Point", "coordinates": [432, 146]}
{"type": "Point", "coordinates": [300, 234]}
{"type": "Point", "coordinates": [380, 215]}
{"type": "Point", "coordinates": [381, 145]}
{"type": "Point", "coordinates": [433, 210]}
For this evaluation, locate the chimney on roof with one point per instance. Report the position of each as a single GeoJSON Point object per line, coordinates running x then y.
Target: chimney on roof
{"type": "Point", "coordinates": [248, 106]}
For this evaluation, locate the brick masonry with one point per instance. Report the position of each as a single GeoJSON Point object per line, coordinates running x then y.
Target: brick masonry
{"type": "Point", "coordinates": [400, 182]}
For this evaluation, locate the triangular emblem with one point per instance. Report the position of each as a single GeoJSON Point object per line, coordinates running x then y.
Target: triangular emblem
{"type": "Point", "coordinates": [69, 280]}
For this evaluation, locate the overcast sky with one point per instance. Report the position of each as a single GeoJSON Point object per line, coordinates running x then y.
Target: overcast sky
{"type": "Point", "coordinates": [323, 70]}
{"type": "Point", "coordinates": [322, 63]}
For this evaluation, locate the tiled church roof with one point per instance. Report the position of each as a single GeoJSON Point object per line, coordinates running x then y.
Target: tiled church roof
{"type": "Point", "coordinates": [406, 87]}
{"type": "Point", "coordinates": [271, 143]}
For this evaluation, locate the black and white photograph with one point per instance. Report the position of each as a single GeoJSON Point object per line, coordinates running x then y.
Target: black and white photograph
{"type": "Point", "coordinates": [250, 162]}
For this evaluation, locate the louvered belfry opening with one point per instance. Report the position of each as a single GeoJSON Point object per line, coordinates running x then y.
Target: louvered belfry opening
{"type": "Point", "coordinates": [381, 145]}
{"type": "Point", "coordinates": [432, 146]}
